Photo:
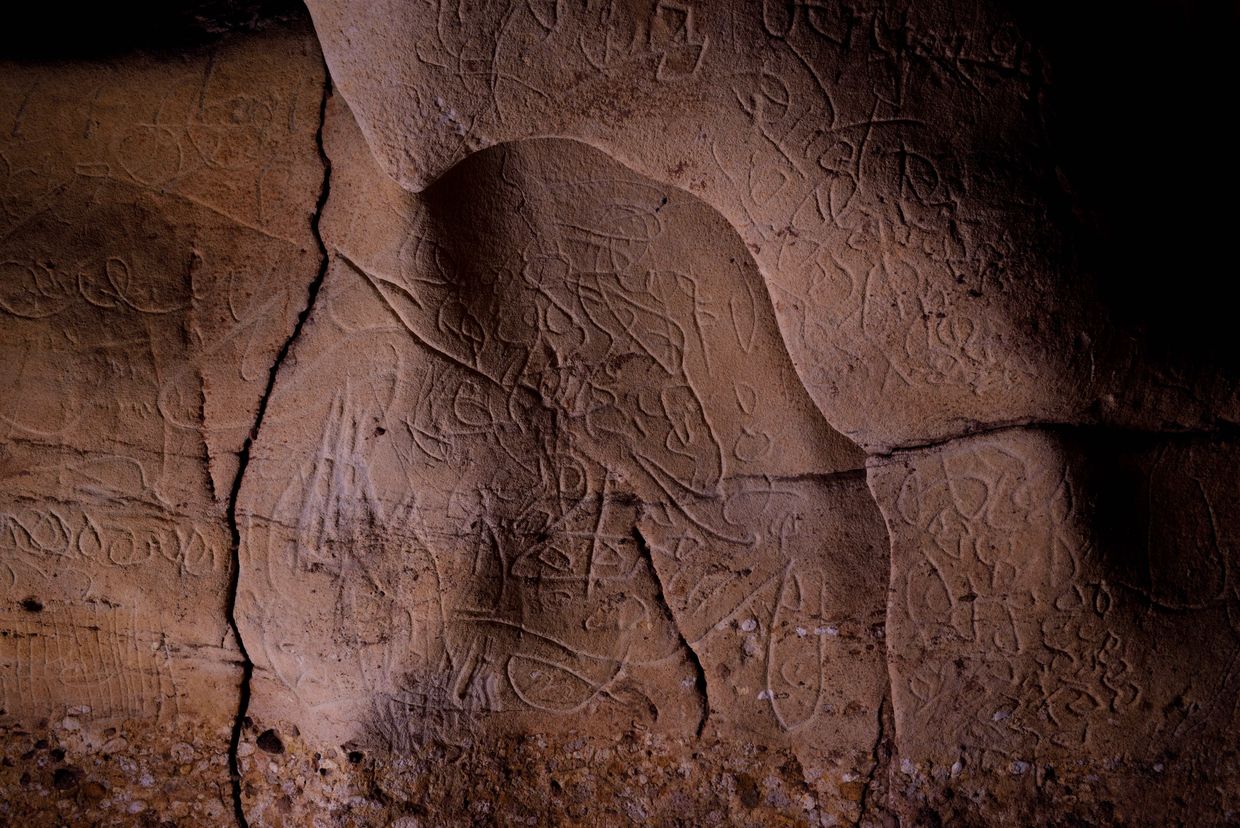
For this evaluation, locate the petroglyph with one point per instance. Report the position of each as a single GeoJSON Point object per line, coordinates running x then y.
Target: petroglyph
{"type": "Point", "coordinates": [1038, 640]}
{"type": "Point", "coordinates": [544, 424]}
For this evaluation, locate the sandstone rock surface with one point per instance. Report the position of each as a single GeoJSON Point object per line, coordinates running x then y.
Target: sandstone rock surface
{"type": "Point", "coordinates": [1039, 653]}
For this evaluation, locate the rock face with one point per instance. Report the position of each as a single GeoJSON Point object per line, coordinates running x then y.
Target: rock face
{"type": "Point", "coordinates": [156, 250]}
{"type": "Point", "coordinates": [608, 412]}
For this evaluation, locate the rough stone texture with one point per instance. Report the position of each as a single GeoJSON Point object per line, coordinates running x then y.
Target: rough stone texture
{"type": "Point", "coordinates": [616, 412]}
{"type": "Point", "coordinates": [155, 249]}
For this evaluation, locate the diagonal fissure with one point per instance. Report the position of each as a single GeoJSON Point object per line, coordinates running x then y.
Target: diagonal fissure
{"type": "Point", "coordinates": [694, 659]}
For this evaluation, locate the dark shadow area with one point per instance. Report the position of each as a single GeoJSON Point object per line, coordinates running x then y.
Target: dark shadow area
{"type": "Point", "coordinates": [1164, 515]}
{"type": "Point", "coordinates": [1140, 98]}
{"type": "Point", "coordinates": [60, 31]}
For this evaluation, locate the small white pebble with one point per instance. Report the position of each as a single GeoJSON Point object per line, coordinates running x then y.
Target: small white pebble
{"type": "Point", "coordinates": [1018, 767]}
{"type": "Point", "coordinates": [1000, 715]}
{"type": "Point", "coordinates": [749, 625]}
{"type": "Point", "coordinates": [688, 681]}
{"type": "Point", "coordinates": [801, 632]}
{"type": "Point", "coordinates": [907, 768]}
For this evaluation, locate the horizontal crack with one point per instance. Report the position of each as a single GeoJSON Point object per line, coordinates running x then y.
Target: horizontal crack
{"type": "Point", "coordinates": [1222, 430]}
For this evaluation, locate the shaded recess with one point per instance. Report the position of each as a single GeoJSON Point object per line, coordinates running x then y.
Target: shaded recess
{"type": "Point", "coordinates": [1140, 175]}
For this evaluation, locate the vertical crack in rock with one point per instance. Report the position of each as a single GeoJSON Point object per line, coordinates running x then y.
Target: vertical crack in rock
{"type": "Point", "coordinates": [880, 754]}
{"type": "Point", "coordinates": [699, 671]}
{"type": "Point", "coordinates": [247, 664]}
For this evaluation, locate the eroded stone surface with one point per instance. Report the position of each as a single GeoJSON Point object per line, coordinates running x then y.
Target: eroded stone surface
{"type": "Point", "coordinates": [155, 248]}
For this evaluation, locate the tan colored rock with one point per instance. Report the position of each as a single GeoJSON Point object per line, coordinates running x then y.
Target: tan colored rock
{"type": "Point", "coordinates": [851, 183]}
{"type": "Point", "coordinates": [517, 479]}
{"type": "Point", "coordinates": [155, 249]}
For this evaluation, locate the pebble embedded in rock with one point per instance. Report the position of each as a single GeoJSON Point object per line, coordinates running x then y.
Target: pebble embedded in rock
{"type": "Point", "coordinates": [65, 778]}
{"type": "Point", "coordinates": [270, 741]}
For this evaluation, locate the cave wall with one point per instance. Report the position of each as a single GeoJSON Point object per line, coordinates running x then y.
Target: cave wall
{"type": "Point", "coordinates": [627, 412]}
